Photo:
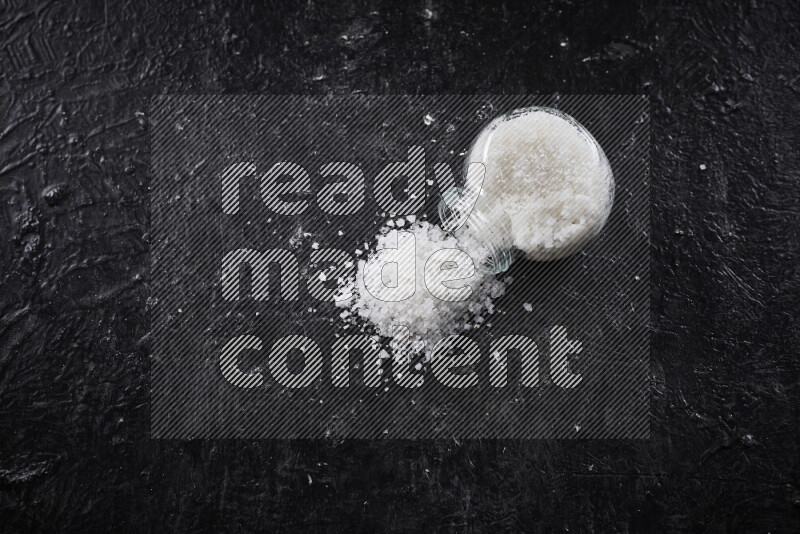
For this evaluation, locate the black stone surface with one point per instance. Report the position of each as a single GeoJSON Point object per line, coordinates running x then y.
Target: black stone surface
{"type": "Point", "coordinates": [75, 78]}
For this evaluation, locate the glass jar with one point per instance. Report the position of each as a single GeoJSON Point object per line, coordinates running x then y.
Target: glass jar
{"type": "Point", "coordinates": [482, 223]}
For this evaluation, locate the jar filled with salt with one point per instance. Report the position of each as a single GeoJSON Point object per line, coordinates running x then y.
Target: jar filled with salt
{"type": "Point", "coordinates": [537, 184]}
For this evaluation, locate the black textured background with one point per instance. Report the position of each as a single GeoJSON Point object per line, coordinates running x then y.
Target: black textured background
{"type": "Point", "coordinates": [74, 171]}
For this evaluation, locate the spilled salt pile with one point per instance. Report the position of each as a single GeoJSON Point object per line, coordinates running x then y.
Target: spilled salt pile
{"type": "Point", "coordinates": [549, 176]}
{"type": "Point", "coordinates": [427, 316]}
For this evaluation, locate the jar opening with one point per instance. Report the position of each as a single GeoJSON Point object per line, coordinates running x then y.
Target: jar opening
{"type": "Point", "coordinates": [488, 243]}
